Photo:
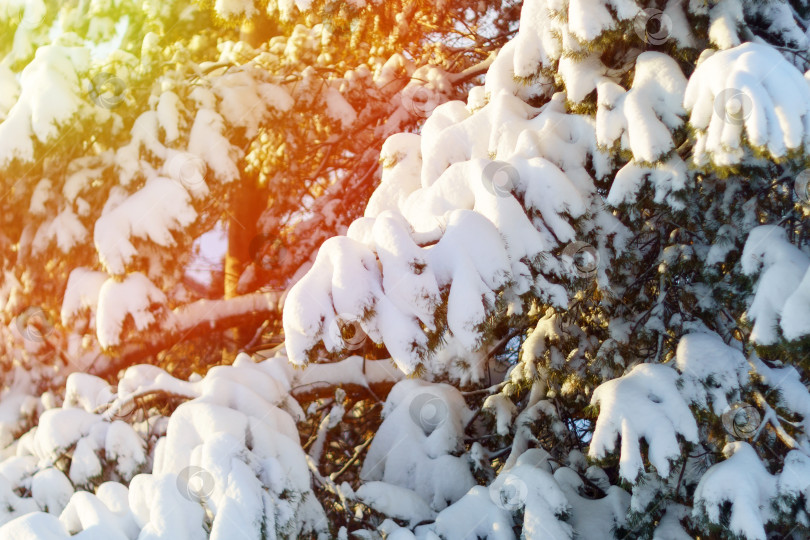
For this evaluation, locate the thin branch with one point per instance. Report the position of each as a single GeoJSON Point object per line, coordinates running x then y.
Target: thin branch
{"type": "Point", "coordinates": [359, 450]}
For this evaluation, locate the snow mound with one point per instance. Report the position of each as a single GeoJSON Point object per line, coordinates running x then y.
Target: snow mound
{"type": "Point", "coordinates": [749, 89]}
{"type": "Point", "coordinates": [643, 117]}
{"type": "Point", "coordinates": [646, 404]}
{"type": "Point", "coordinates": [782, 270]}
{"type": "Point", "coordinates": [161, 206]}
{"type": "Point", "coordinates": [743, 481]}
{"type": "Point", "coordinates": [423, 427]}
{"type": "Point", "coordinates": [711, 371]}
{"type": "Point", "coordinates": [227, 463]}
{"type": "Point", "coordinates": [50, 95]}
{"type": "Point", "coordinates": [133, 296]}
{"type": "Point", "coordinates": [450, 230]}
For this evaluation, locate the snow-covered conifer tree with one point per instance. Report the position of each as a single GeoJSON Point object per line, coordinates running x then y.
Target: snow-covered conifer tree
{"type": "Point", "coordinates": [624, 199]}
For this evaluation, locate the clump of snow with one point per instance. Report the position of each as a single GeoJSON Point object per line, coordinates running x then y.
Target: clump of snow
{"type": "Point", "coordinates": [187, 169]}
{"type": "Point", "coordinates": [644, 403]}
{"type": "Point", "coordinates": [81, 292]}
{"type": "Point", "coordinates": [65, 228]}
{"type": "Point", "coordinates": [644, 116]}
{"type": "Point", "coordinates": [795, 316]}
{"type": "Point", "coordinates": [35, 526]}
{"type": "Point", "coordinates": [445, 212]}
{"type": "Point", "coordinates": [749, 88]}
{"type": "Point", "coordinates": [134, 296]}
{"type": "Point", "coordinates": [207, 141]}
{"type": "Point", "coordinates": [339, 109]}
{"type": "Point", "coordinates": [475, 515]}
{"type": "Point", "coordinates": [423, 426]}
{"type": "Point", "coordinates": [791, 391]}
{"type": "Point", "coordinates": [536, 492]}
{"type": "Point", "coordinates": [230, 445]}
{"type": "Point", "coordinates": [744, 482]}
{"type": "Point", "coordinates": [591, 517]}
{"type": "Point", "coordinates": [235, 8]}
{"type": "Point", "coordinates": [50, 95]}
{"type": "Point", "coordinates": [125, 447]}
{"type": "Point", "coordinates": [667, 177]}
{"type": "Point", "coordinates": [41, 195]}
{"type": "Point", "coordinates": [503, 409]}
{"type": "Point", "coordinates": [59, 429]}
{"type": "Point", "coordinates": [711, 371]}
{"type": "Point", "coordinates": [51, 490]}
{"type": "Point", "coordinates": [395, 501]}
{"type": "Point", "coordinates": [794, 480]}
{"type": "Point", "coordinates": [152, 213]}
{"type": "Point", "coordinates": [781, 267]}
{"type": "Point", "coordinates": [169, 115]}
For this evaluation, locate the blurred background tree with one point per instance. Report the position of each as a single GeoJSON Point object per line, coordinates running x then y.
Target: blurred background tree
{"type": "Point", "coordinates": [271, 119]}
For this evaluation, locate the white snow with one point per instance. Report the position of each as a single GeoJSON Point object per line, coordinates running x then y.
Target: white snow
{"type": "Point", "coordinates": [235, 8]}
{"type": "Point", "coordinates": [647, 112]}
{"type": "Point", "coordinates": [151, 213]}
{"type": "Point", "coordinates": [395, 501]}
{"type": "Point", "coordinates": [134, 296]}
{"type": "Point", "coordinates": [781, 267]}
{"type": "Point", "coordinates": [51, 490]}
{"type": "Point", "coordinates": [644, 403]}
{"type": "Point", "coordinates": [49, 98]}
{"type": "Point", "coordinates": [339, 109]}
{"type": "Point", "coordinates": [475, 515]}
{"type": "Point", "coordinates": [593, 518]}
{"type": "Point", "coordinates": [743, 481]}
{"type": "Point", "coordinates": [81, 292]}
{"type": "Point", "coordinates": [423, 424]}
{"type": "Point", "coordinates": [168, 115]}
{"type": "Point", "coordinates": [207, 141]}
{"type": "Point", "coordinates": [66, 229]}
{"type": "Point", "coordinates": [229, 451]}
{"type": "Point", "coordinates": [41, 195]}
{"type": "Point", "coordinates": [441, 207]}
{"type": "Point", "coordinates": [474, 213]}
{"type": "Point", "coordinates": [752, 88]}
{"type": "Point", "coordinates": [712, 371]}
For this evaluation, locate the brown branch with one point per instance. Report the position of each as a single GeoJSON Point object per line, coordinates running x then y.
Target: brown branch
{"type": "Point", "coordinates": [471, 72]}
{"type": "Point", "coordinates": [194, 320]}
{"type": "Point", "coordinates": [359, 378]}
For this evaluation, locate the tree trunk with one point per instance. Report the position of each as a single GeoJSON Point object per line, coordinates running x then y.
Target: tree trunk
{"type": "Point", "coordinates": [244, 209]}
